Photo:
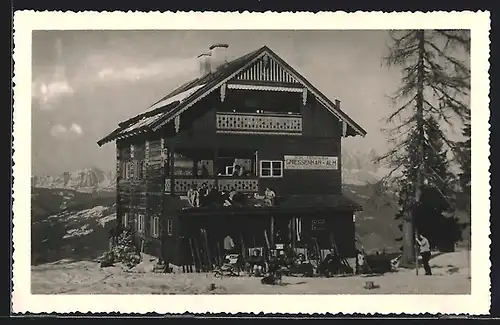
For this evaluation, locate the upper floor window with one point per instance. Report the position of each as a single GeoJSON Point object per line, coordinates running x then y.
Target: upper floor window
{"type": "Point", "coordinates": [271, 168]}
{"type": "Point", "coordinates": [125, 220]}
{"type": "Point", "coordinates": [169, 227]}
{"type": "Point", "coordinates": [155, 226]}
{"type": "Point", "coordinates": [193, 162]}
{"type": "Point", "coordinates": [140, 169]}
{"type": "Point", "coordinates": [126, 170]}
{"type": "Point", "coordinates": [132, 169]}
{"type": "Point", "coordinates": [236, 163]}
{"type": "Point", "coordinates": [140, 222]}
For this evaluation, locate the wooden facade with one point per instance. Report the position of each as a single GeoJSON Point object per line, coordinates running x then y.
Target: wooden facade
{"type": "Point", "coordinates": [287, 136]}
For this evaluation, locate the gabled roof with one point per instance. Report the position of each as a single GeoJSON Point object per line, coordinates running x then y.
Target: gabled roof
{"type": "Point", "coordinates": [180, 99]}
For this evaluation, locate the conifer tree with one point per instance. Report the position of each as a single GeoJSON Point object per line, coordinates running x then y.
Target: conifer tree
{"type": "Point", "coordinates": [464, 152]}
{"type": "Point", "coordinates": [434, 84]}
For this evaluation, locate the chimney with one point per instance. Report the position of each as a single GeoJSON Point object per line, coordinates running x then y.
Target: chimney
{"type": "Point", "coordinates": [219, 55]}
{"type": "Point", "coordinates": [205, 61]}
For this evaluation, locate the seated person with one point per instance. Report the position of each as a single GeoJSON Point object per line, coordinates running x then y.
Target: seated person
{"type": "Point", "coordinates": [360, 263]}
{"type": "Point", "coordinates": [226, 198]}
{"type": "Point", "coordinates": [239, 198]}
{"type": "Point", "coordinates": [215, 197]}
{"type": "Point", "coordinates": [330, 265]}
{"type": "Point", "coordinates": [194, 196]}
{"type": "Point", "coordinates": [303, 266]}
{"type": "Point", "coordinates": [203, 194]}
{"type": "Point", "coordinates": [269, 197]}
{"type": "Point", "coordinates": [204, 171]}
{"type": "Point", "coordinates": [256, 262]}
{"type": "Point", "coordinates": [238, 171]}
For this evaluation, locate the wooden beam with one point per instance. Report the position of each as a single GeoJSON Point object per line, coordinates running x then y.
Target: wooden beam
{"type": "Point", "coordinates": [117, 178]}
{"type": "Point", "coordinates": [171, 168]}
{"type": "Point", "coordinates": [272, 231]}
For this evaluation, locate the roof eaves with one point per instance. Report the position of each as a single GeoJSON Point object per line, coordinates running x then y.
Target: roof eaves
{"type": "Point", "coordinates": [239, 64]}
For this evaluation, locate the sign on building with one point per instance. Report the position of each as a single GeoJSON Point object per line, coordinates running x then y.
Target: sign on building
{"type": "Point", "coordinates": [311, 162]}
{"type": "Point", "coordinates": [318, 224]}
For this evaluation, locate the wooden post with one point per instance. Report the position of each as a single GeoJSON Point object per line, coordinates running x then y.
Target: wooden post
{"type": "Point", "coordinates": [171, 169]}
{"type": "Point", "coordinates": [294, 233]}
{"type": "Point", "coordinates": [198, 257]}
{"type": "Point", "coordinates": [216, 172]}
{"type": "Point", "coordinates": [272, 230]}
{"type": "Point", "coordinates": [207, 249]}
{"type": "Point", "coordinates": [192, 255]}
{"type": "Point", "coordinates": [147, 214]}
{"type": "Point", "coordinates": [416, 249]}
{"type": "Point", "coordinates": [118, 177]}
{"type": "Point", "coordinates": [243, 250]}
{"type": "Point", "coordinates": [219, 254]}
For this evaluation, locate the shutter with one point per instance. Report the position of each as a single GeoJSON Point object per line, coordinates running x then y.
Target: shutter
{"type": "Point", "coordinates": [147, 224]}
{"type": "Point", "coordinates": [131, 169]}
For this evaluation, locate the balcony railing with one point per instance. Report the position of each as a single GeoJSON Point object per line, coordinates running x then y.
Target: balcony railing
{"type": "Point", "coordinates": [258, 123]}
{"type": "Point", "coordinates": [182, 185]}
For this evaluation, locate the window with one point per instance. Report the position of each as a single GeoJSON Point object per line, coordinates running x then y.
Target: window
{"type": "Point", "coordinates": [123, 167]}
{"type": "Point", "coordinates": [140, 223]}
{"type": "Point", "coordinates": [169, 227]}
{"type": "Point", "coordinates": [183, 165]}
{"type": "Point", "coordinates": [271, 168]}
{"type": "Point", "coordinates": [125, 220]}
{"type": "Point", "coordinates": [140, 169]}
{"type": "Point", "coordinates": [155, 227]}
{"type": "Point", "coordinates": [127, 170]}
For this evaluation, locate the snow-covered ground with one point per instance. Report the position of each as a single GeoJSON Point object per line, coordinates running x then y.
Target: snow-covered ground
{"type": "Point", "coordinates": [450, 270]}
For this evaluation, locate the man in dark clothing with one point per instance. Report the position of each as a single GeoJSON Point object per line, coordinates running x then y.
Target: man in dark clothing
{"type": "Point", "coordinates": [425, 251]}
{"type": "Point", "coordinates": [203, 194]}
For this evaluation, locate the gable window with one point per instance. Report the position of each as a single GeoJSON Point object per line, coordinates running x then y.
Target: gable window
{"type": "Point", "coordinates": [169, 227]}
{"type": "Point", "coordinates": [271, 168]}
{"type": "Point", "coordinates": [140, 223]}
{"type": "Point", "coordinates": [155, 227]}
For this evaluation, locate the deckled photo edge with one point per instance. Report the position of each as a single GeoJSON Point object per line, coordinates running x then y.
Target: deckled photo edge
{"type": "Point", "coordinates": [24, 301]}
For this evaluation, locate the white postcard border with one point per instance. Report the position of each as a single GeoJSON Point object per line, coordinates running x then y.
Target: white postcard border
{"type": "Point", "coordinates": [476, 303]}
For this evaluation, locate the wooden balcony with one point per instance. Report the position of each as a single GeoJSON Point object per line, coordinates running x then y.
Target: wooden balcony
{"type": "Point", "coordinates": [183, 184]}
{"type": "Point", "coordinates": [287, 124]}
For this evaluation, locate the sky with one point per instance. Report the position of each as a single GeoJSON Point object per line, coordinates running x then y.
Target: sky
{"type": "Point", "coordinates": [85, 82]}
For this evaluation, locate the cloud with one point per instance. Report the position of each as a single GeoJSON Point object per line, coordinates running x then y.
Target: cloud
{"type": "Point", "coordinates": [50, 88]}
{"type": "Point", "coordinates": [57, 130]}
{"type": "Point", "coordinates": [129, 71]}
{"type": "Point", "coordinates": [76, 129]}
{"type": "Point", "coordinates": [53, 84]}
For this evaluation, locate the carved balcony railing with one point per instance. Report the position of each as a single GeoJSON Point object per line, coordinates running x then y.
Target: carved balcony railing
{"type": "Point", "coordinates": [245, 185]}
{"type": "Point", "coordinates": [259, 123]}
{"type": "Point", "coordinates": [182, 185]}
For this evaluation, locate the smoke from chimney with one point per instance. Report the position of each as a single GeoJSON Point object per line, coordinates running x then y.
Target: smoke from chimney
{"type": "Point", "coordinates": [205, 64]}
{"type": "Point", "coordinates": [219, 55]}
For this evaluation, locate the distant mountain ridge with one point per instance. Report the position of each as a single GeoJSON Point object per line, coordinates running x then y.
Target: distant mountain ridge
{"type": "Point", "coordinates": [358, 168]}
{"type": "Point", "coordinates": [87, 179]}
